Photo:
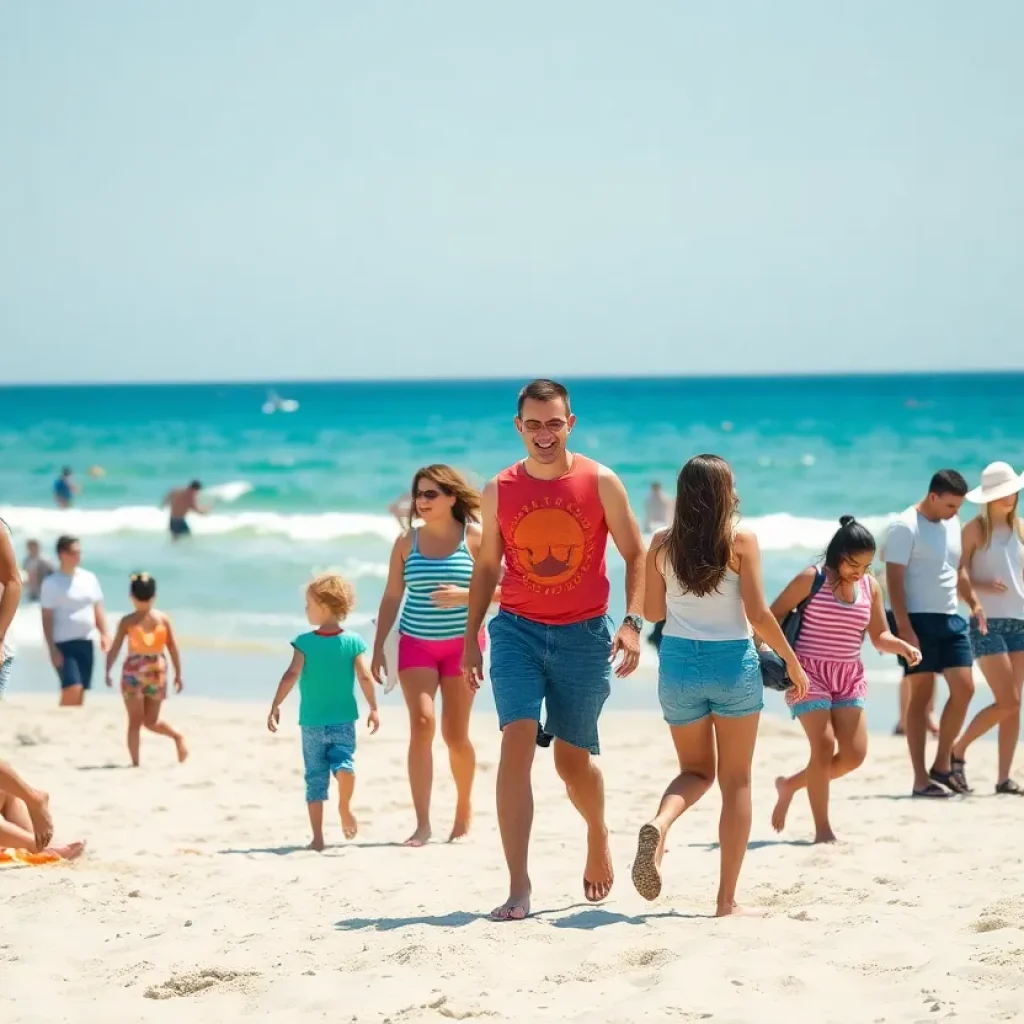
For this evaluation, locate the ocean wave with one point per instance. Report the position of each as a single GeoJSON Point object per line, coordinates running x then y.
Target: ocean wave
{"type": "Point", "coordinates": [778, 532]}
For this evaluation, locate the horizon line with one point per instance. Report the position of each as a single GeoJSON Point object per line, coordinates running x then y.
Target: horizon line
{"type": "Point", "coordinates": [272, 382]}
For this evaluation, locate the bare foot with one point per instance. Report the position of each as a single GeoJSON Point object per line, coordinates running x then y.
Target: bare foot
{"type": "Point", "coordinates": [69, 851]}
{"type": "Point", "coordinates": [647, 865]}
{"type": "Point", "coordinates": [182, 750]}
{"type": "Point", "coordinates": [786, 794]}
{"type": "Point", "coordinates": [735, 910]}
{"type": "Point", "coordinates": [317, 844]}
{"type": "Point", "coordinates": [42, 820]}
{"type": "Point", "coordinates": [598, 875]}
{"type": "Point", "coordinates": [826, 835]}
{"type": "Point", "coordinates": [419, 838]}
{"type": "Point", "coordinates": [461, 827]}
{"type": "Point", "coordinates": [515, 908]}
{"type": "Point", "coordinates": [349, 825]}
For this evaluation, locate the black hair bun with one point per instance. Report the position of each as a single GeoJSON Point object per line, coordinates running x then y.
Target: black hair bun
{"type": "Point", "coordinates": [847, 520]}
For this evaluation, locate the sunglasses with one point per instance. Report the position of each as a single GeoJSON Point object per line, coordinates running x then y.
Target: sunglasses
{"type": "Point", "coordinates": [429, 495]}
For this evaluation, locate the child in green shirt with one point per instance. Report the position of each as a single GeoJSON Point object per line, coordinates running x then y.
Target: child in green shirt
{"type": "Point", "coordinates": [326, 664]}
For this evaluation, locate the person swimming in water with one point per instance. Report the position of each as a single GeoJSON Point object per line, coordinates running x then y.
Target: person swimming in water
{"type": "Point", "coordinates": [181, 501]}
{"type": "Point", "coordinates": [64, 488]}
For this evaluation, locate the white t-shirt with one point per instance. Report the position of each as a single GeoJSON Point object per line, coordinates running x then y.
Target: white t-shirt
{"type": "Point", "coordinates": [931, 553]}
{"type": "Point", "coordinates": [73, 600]}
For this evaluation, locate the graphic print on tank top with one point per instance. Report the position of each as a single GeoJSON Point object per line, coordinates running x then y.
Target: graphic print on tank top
{"type": "Point", "coordinates": [551, 546]}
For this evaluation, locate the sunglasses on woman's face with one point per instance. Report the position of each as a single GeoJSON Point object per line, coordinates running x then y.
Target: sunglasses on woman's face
{"type": "Point", "coordinates": [430, 495]}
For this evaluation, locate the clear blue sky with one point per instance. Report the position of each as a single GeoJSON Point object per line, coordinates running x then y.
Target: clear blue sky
{"type": "Point", "coordinates": [266, 190]}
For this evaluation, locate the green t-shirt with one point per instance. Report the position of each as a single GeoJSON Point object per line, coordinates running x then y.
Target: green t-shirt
{"type": "Point", "coordinates": [327, 686]}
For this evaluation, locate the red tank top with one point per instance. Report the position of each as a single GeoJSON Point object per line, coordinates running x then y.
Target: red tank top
{"type": "Point", "coordinates": [555, 539]}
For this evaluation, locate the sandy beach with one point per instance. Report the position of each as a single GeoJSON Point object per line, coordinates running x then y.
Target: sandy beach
{"type": "Point", "coordinates": [196, 896]}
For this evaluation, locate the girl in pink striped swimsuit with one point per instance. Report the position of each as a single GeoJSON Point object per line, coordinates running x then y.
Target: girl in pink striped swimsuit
{"type": "Point", "coordinates": [835, 619]}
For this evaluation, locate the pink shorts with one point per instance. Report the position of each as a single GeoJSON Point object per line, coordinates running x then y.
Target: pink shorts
{"type": "Point", "coordinates": [443, 656]}
{"type": "Point", "coordinates": [833, 684]}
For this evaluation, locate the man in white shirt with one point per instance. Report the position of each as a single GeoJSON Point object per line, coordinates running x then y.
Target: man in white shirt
{"type": "Point", "coordinates": [924, 576]}
{"type": "Point", "coordinates": [72, 604]}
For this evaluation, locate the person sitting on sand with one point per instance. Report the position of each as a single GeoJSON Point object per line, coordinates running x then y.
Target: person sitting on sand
{"type": "Point", "coordinates": [993, 554]}
{"type": "Point", "coordinates": [150, 639]}
{"type": "Point", "coordinates": [549, 517]}
{"type": "Point", "coordinates": [25, 819]}
{"type": "Point", "coordinates": [923, 576]}
{"type": "Point", "coordinates": [848, 602]}
{"type": "Point", "coordinates": [431, 566]}
{"type": "Point", "coordinates": [182, 501]}
{"type": "Point", "coordinates": [704, 578]}
{"type": "Point", "coordinates": [326, 664]}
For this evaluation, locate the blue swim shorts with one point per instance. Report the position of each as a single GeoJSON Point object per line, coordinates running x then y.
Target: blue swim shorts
{"type": "Point", "coordinates": [566, 668]}
{"type": "Point", "coordinates": [1004, 636]}
{"type": "Point", "coordinates": [326, 750]}
{"type": "Point", "coordinates": [697, 678]}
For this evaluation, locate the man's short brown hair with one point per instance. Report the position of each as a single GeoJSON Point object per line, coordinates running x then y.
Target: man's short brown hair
{"type": "Point", "coordinates": [543, 390]}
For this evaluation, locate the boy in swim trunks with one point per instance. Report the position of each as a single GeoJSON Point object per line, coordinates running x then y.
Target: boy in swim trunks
{"type": "Point", "coordinates": [144, 673]}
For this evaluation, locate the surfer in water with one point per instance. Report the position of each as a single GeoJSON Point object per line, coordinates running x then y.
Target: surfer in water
{"type": "Point", "coordinates": [181, 501]}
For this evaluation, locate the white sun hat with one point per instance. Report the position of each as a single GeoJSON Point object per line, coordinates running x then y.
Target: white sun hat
{"type": "Point", "coordinates": [998, 480]}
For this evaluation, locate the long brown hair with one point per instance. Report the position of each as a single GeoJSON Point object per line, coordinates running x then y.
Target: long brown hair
{"type": "Point", "coordinates": [698, 544]}
{"type": "Point", "coordinates": [988, 523]}
{"type": "Point", "coordinates": [452, 483]}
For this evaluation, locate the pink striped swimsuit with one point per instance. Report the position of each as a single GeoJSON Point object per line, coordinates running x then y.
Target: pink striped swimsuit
{"type": "Point", "coordinates": [829, 649]}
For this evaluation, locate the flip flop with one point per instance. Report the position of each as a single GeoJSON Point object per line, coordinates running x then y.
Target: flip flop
{"type": "Point", "coordinates": [949, 779]}
{"type": "Point", "coordinates": [931, 792]}
{"type": "Point", "coordinates": [1009, 787]}
{"type": "Point", "coordinates": [958, 766]}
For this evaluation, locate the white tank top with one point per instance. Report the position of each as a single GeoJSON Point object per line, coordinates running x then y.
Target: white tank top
{"type": "Point", "coordinates": [716, 616]}
{"type": "Point", "coordinates": [1002, 560]}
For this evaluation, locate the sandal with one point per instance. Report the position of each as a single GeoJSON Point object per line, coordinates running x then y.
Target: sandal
{"type": "Point", "coordinates": [958, 767]}
{"type": "Point", "coordinates": [1008, 786]}
{"type": "Point", "coordinates": [948, 779]}
{"type": "Point", "coordinates": [932, 792]}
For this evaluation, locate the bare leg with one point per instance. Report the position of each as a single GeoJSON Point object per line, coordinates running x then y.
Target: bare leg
{"type": "Point", "coordinates": [346, 787]}
{"type": "Point", "coordinates": [585, 786]}
{"type": "Point", "coordinates": [457, 703]}
{"type": "Point", "coordinates": [998, 672]}
{"type": "Point", "coordinates": [901, 726]}
{"type": "Point", "coordinates": [419, 687]}
{"type": "Point", "coordinates": [736, 738]}
{"type": "Point", "coordinates": [922, 688]}
{"type": "Point", "coordinates": [37, 803]}
{"type": "Point", "coordinates": [72, 697]}
{"type": "Point", "coordinates": [695, 750]}
{"type": "Point", "coordinates": [515, 814]}
{"type": "Point", "coordinates": [135, 707]}
{"type": "Point", "coordinates": [316, 824]}
{"type": "Point", "coordinates": [849, 727]}
{"type": "Point", "coordinates": [18, 831]}
{"type": "Point", "coordinates": [1009, 727]}
{"type": "Point", "coordinates": [961, 690]}
{"type": "Point", "coordinates": [151, 721]}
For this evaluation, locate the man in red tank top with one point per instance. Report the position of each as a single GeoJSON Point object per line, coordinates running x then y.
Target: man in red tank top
{"type": "Point", "coordinates": [549, 518]}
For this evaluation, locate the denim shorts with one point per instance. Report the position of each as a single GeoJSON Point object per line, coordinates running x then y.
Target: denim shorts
{"type": "Point", "coordinates": [566, 668]}
{"type": "Point", "coordinates": [945, 642]}
{"type": "Point", "coordinates": [697, 678]}
{"type": "Point", "coordinates": [77, 658]}
{"type": "Point", "coordinates": [1004, 636]}
{"type": "Point", "coordinates": [326, 750]}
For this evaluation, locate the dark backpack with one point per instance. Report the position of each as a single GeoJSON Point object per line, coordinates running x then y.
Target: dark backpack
{"type": "Point", "coordinates": [773, 668]}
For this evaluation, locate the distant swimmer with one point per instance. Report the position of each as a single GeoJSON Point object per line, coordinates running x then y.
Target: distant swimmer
{"type": "Point", "coordinates": [64, 488]}
{"type": "Point", "coordinates": [36, 570]}
{"type": "Point", "coordinates": [657, 509]}
{"type": "Point", "coordinates": [181, 501]}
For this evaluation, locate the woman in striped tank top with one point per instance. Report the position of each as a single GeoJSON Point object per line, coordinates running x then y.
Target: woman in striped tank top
{"type": "Point", "coordinates": [848, 604]}
{"type": "Point", "coordinates": [431, 567]}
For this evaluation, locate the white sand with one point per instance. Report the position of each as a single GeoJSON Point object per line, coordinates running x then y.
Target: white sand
{"type": "Point", "coordinates": [190, 901]}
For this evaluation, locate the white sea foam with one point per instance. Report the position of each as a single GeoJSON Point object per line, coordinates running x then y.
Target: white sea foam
{"type": "Point", "coordinates": [777, 532]}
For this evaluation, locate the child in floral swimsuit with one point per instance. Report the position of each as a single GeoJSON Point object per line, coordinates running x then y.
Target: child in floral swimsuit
{"type": "Point", "coordinates": [144, 673]}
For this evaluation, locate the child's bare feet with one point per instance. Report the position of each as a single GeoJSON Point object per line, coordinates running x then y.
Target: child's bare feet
{"type": "Point", "coordinates": [317, 844]}
{"type": "Point", "coordinates": [349, 825]}
{"type": "Point", "coordinates": [419, 838]}
{"type": "Point", "coordinates": [598, 875]}
{"type": "Point", "coordinates": [786, 794]}
{"type": "Point", "coordinates": [733, 909]}
{"type": "Point", "coordinates": [825, 835]}
{"type": "Point", "coordinates": [515, 908]}
{"type": "Point", "coordinates": [179, 742]}
{"type": "Point", "coordinates": [461, 827]}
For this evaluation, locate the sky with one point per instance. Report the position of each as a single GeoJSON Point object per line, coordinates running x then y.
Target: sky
{"type": "Point", "coordinates": [259, 190]}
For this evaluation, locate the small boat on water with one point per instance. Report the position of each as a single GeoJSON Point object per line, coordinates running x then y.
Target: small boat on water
{"type": "Point", "coordinates": [275, 403]}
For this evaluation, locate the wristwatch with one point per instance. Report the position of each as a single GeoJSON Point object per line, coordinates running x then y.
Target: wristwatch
{"type": "Point", "coordinates": [634, 622]}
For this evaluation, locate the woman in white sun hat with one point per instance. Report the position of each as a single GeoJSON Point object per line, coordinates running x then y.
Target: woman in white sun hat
{"type": "Point", "coordinates": [993, 555]}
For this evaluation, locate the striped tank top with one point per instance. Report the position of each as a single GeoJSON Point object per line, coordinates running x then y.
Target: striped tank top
{"type": "Point", "coordinates": [421, 618]}
{"type": "Point", "coordinates": [833, 630]}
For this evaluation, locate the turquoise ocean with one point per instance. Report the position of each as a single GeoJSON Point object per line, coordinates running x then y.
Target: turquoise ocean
{"type": "Point", "coordinates": [316, 482]}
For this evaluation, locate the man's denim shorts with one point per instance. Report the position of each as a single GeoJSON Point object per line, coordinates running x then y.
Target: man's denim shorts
{"type": "Point", "coordinates": [565, 667]}
{"type": "Point", "coordinates": [697, 678]}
